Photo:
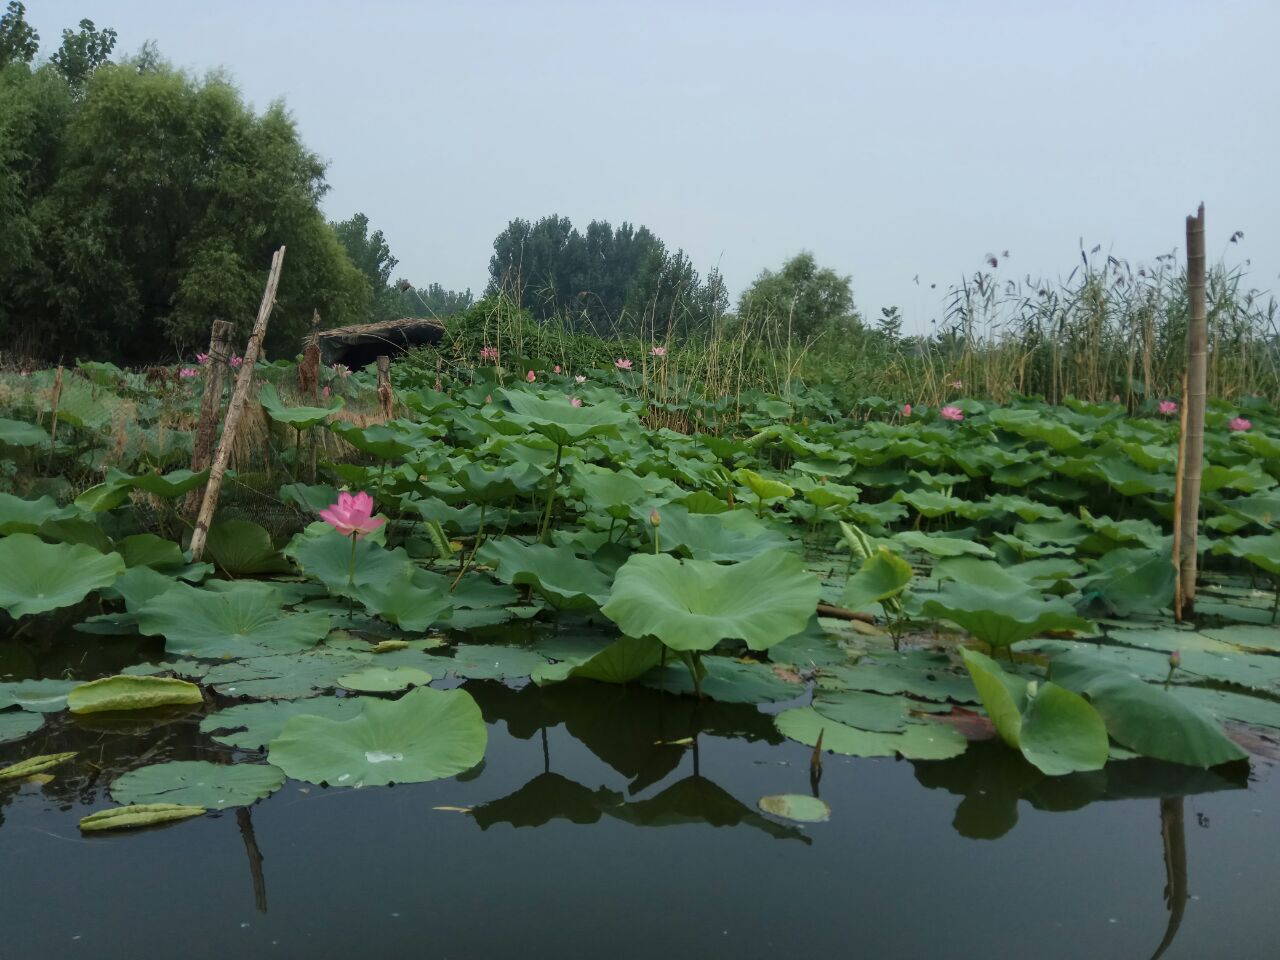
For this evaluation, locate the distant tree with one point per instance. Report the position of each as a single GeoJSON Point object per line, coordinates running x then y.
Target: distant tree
{"type": "Point", "coordinates": [603, 280]}
{"type": "Point", "coordinates": [82, 53]}
{"type": "Point", "coordinates": [19, 43]}
{"type": "Point", "coordinates": [148, 205]}
{"type": "Point", "coordinates": [431, 301]}
{"type": "Point", "coordinates": [371, 255]}
{"type": "Point", "coordinates": [809, 299]}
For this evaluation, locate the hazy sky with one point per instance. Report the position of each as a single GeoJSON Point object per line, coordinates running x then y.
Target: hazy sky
{"type": "Point", "coordinates": [891, 139]}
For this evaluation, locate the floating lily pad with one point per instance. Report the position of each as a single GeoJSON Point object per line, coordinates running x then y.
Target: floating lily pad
{"type": "Point", "coordinates": [866, 711]}
{"type": "Point", "coordinates": [198, 783]}
{"type": "Point", "coordinates": [141, 815]}
{"type": "Point", "coordinates": [478, 661]}
{"type": "Point", "coordinates": [425, 735]}
{"type": "Point", "coordinates": [124, 692]}
{"type": "Point", "coordinates": [40, 696]}
{"type": "Point", "coordinates": [384, 679]}
{"type": "Point", "coordinates": [16, 724]}
{"type": "Point", "coordinates": [251, 726]}
{"type": "Point", "coordinates": [919, 741]}
{"type": "Point", "coordinates": [284, 677]}
{"type": "Point", "coordinates": [729, 681]}
{"type": "Point", "coordinates": [796, 806]}
{"type": "Point", "coordinates": [556, 573]}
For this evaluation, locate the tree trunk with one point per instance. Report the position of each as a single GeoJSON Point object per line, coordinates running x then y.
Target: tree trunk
{"type": "Point", "coordinates": [235, 410]}
{"type": "Point", "coordinates": [1193, 432]}
{"type": "Point", "coordinates": [210, 406]}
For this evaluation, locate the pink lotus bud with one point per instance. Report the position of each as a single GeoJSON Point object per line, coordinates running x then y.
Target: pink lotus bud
{"type": "Point", "coordinates": [530, 376]}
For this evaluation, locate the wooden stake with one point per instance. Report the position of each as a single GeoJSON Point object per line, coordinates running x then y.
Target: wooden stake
{"type": "Point", "coordinates": [385, 396]}
{"type": "Point", "coordinates": [53, 406]}
{"type": "Point", "coordinates": [1193, 433]}
{"type": "Point", "coordinates": [1177, 505]}
{"type": "Point", "coordinates": [210, 405]}
{"type": "Point", "coordinates": [235, 410]}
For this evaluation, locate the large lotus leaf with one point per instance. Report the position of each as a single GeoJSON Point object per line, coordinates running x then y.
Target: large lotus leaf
{"type": "Point", "coordinates": [39, 696]}
{"type": "Point", "coordinates": [918, 741]}
{"type": "Point", "coordinates": [1032, 426]}
{"type": "Point", "coordinates": [413, 602]}
{"type": "Point", "coordinates": [1245, 477]}
{"type": "Point", "coordinates": [1262, 508]}
{"type": "Point", "coordinates": [1066, 532]}
{"type": "Point", "coordinates": [866, 711]}
{"type": "Point", "coordinates": [378, 440]}
{"type": "Point", "coordinates": [1146, 719]}
{"type": "Point", "coordinates": [251, 726]}
{"type": "Point", "coordinates": [693, 605]}
{"type": "Point", "coordinates": [425, 735]}
{"type": "Point", "coordinates": [17, 724]}
{"type": "Point", "coordinates": [883, 575]}
{"type": "Point", "coordinates": [556, 573]}
{"type": "Point", "coordinates": [486, 483]}
{"type": "Point", "coordinates": [382, 679]}
{"type": "Point", "coordinates": [1256, 639]}
{"type": "Point", "coordinates": [36, 577]}
{"type": "Point", "coordinates": [309, 497]}
{"type": "Point", "coordinates": [616, 492]}
{"type": "Point", "coordinates": [734, 535]}
{"type": "Point", "coordinates": [920, 673]}
{"type": "Point", "coordinates": [75, 530]}
{"type": "Point", "coordinates": [1003, 696]}
{"type": "Point", "coordinates": [25, 516]}
{"type": "Point", "coordinates": [561, 422]}
{"type": "Point", "coordinates": [937, 546]}
{"type": "Point", "coordinates": [1223, 704]}
{"type": "Point", "coordinates": [300, 418]}
{"type": "Point", "coordinates": [215, 786]}
{"type": "Point", "coordinates": [284, 676]}
{"type": "Point", "coordinates": [115, 489]}
{"type": "Point", "coordinates": [1000, 618]}
{"type": "Point", "coordinates": [1262, 551]}
{"type": "Point", "coordinates": [16, 433]}
{"type": "Point", "coordinates": [980, 573]}
{"type": "Point", "coordinates": [1125, 531]}
{"type": "Point", "coordinates": [620, 662]}
{"type": "Point", "coordinates": [1062, 733]}
{"type": "Point", "coordinates": [244, 620]}
{"type": "Point", "coordinates": [140, 584]}
{"type": "Point", "coordinates": [138, 815]}
{"type": "Point", "coordinates": [763, 487]}
{"type": "Point", "coordinates": [729, 681]}
{"type": "Point", "coordinates": [1127, 478]}
{"type": "Point", "coordinates": [243, 548]}
{"type": "Point", "coordinates": [929, 503]}
{"type": "Point", "coordinates": [124, 692]}
{"type": "Point", "coordinates": [1127, 582]}
{"type": "Point", "coordinates": [325, 555]}
{"type": "Point", "coordinates": [478, 661]}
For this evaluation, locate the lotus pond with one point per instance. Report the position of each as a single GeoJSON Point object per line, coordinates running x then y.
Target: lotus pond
{"type": "Point", "coordinates": [571, 681]}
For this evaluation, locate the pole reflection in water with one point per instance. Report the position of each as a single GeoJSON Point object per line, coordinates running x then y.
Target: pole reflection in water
{"type": "Point", "coordinates": [1174, 835]}
{"type": "Point", "coordinates": [245, 819]}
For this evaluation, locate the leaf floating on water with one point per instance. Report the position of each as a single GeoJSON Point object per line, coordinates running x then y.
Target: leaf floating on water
{"type": "Point", "coordinates": [386, 646]}
{"type": "Point", "coordinates": [33, 765]}
{"type": "Point", "coordinates": [138, 815]}
{"type": "Point", "coordinates": [796, 806]}
{"type": "Point", "coordinates": [449, 809]}
{"type": "Point", "coordinates": [132, 693]}
{"type": "Point", "coordinates": [384, 679]}
{"type": "Point", "coordinates": [198, 783]}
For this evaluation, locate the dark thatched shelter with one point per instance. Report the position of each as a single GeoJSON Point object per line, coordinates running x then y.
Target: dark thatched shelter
{"type": "Point", "coordinates": [360, 345]}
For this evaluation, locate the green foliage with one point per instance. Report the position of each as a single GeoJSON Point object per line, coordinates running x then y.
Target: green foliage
{"type": "Point", "coordinates": [19, 42]}
{"type": "Point", "coordinates": [809, 299]}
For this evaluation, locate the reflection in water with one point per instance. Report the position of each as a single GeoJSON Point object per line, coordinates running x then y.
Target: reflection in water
{"type": "Point", "coordinates": [1174, 835]}
{"type": "Point", "coordinates": [245, 819]}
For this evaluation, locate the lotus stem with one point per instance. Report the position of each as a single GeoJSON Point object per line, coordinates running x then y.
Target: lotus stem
{"type": "Point", "coordinates": [551, 497]}
{"type": "Point", "coordinates": [351, 581]}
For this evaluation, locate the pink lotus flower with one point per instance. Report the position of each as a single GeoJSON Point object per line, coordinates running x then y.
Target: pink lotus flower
{"type": "Point", "coordinates": [658, 352]}
{"type": "Point", "coordinates": [202, 358]}
{"type": "Point", "coordinates": [236, 361]}
{"type": "Point", "coordinates": [556, 368]}
{"type": "Point", "coordinates": [187, 373]}
{"type": "Point", "coordinates": [575, 401]}
{"type": "Point", "coordinates": [1240, 423]}
{"type": "Point", "coordinates": [326, 391]}
{"type": "Point", "coordinates": [579, 379]}
{"type": "Point", "coordinates": [906, 409]}
{"type": "Point", "coordinates": [489, 353]}
{"type": "Point", "coordinates": [1167, 408]}
{"type": "Point", "coordinates": [622, 364]}
{"type": "Point", "coordinates": [953, 414]}
{"type": "Point", "coordinates": [352, 516]}
{"type": "Point", "coordinates": [530, 377]}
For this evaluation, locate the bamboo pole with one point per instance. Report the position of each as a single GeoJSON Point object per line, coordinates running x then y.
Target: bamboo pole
{"type": "Point", "coordinates": [235, 410]}
{"type": "Point", "coordinates": [1178, 485]}
{"type": "Point", "coordinates": [210, 406]}
{"type": "Point", "coordinates": [1193, 434]}
{"type": "Point", "coordinates": [385, 395]}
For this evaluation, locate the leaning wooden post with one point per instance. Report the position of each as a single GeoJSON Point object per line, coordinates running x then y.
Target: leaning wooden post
{"type": "Point", "coordinates": [235, 410]}
{"type": "Point", "coordinates": [53, 407]}
{"type": "Point", "coordinates": [385, 397]}
{"type": "Point", "coordinates": [210, 405]}
{"type": "Point", "coordinates": [1193, 431]}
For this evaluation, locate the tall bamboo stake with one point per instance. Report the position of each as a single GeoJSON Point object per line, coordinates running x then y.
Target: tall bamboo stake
{"type": "Point", "coordinates": [1193, 432]}
{"type": "Point", "coordinates": [235, 409]}
{"type": "Point", "coordinates": [1178, 485]}
{"type": "Point", "coordinates": [210, 405]}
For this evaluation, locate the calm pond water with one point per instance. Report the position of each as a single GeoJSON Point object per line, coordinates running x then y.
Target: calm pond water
{"type": "Point", "coordinates": [585, 833]}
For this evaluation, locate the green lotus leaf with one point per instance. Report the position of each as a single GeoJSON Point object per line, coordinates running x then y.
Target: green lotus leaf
{"type": "Point", "coordinates": [1260, 508]}
{"type": "Point", "coordinates": [937, 546]}
{"type": "Point", "coordinates": [300, 418]}
{"type": "Point", "coordinates": [1262, 551]}
{"type": "Point", "coordinates": [1128, 479]}
{"type": "Point", "coordinates": [251, 726]}
{"type": "Point", "coordinates": [284, 676]}
{"type": "Point", "coordinates": [1144, 718]}
{"type": "Point", "coordinates": [795, 806]}
{"type": "Point", "coordinates": [26, 516]}
{"type": "Point", "coordinates": [1032, 426]}
{"type": "Point", "coordinates": [1245, 477]}
{"type": "Point", "coordinates": [1223, 704]}
{"type": "Point", "coordinates": [17, 433]}
{"type": "Point", "coordinates": [565, 580]}
{"type": "Point", "coordinates": [929, 503]}
{"type": "Point", "coordinates": [1062, 733]}
{"type": "Point", "coordinates": [866, 711]}
{"type": "Point", "coordinates": [34, 765]}
{"type": "Point", "coordinates": [486, 483]}
{"type": "Point", "coordinates": [883, 575]}
{"type": "Point", "coordinates": [17, 724]}
{"type": "Point", "coordinates": [763, 487]}
{"type": "Point", "coordinates": [729, 681]}
{"type": "Point", "coordinates": [1133, 581]}
{"type": "Point", "coordinates": [115, 489]}
{"type": "Point", "coordinates": [1000, 618]}
{"type": "Point", "coordinates": [1004, 697]}
{"type": "Point", "coordinates": [137, 585]}
{"type": "Point", "coordinates": [478, 661]}
{"type": "Point", "coordinates": [1256, 639]}
{"type": "Point", "coordinates": [620, 662]}
{"type": "Point", "coordinates": [198, 783]}
{"type": "Point", "coordinates": [425, 735]}
{"type": "Point", "coordinates": [309, 497]}
{"type": "Point", "coordinates": [36, 577]}
{"type": "Point", "coordinates": [735, 535]}
{"type": "Point", "coordinates": [148, 550]}
{"type": "Point", "coordinates": [243, 548]}
{"type": "Point", "coordinates": [37, 696]}
{"type": "Point", "coordinates": [920, 673]}
{"type": "Point", "coordinates": [141, 815]}
{"type": "Point", "coordinates": [379, 440]}
{"type": "Point", "coordinates": [244, 619]}
{"type": "Point", "coordinates": [325, 555]}
{"type": "Point", "coordinates": [1066, 532]}
{"type": "Point", "coordinates": [693, 605]}
{"type": "Point", "coordinates": [618, 493]}
{"type": "Point", "coordinates": [561, 422]}
{"type": "Point", "coordinates": [124, 692]}
{"type": "Point", "coordinates": [75, 530]}
{"type": "Point", "coordinates": [412, 602]}
{"type": "Point", "coordinates": [919, 741]}
{"type": "Point", "coordinates": [384, 679]}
